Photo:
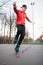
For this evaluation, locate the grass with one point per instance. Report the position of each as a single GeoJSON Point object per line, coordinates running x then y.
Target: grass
{"type": "Point", "coordinates": [33, 43]}
{"type": "Point", "coordinates": [24, 42]}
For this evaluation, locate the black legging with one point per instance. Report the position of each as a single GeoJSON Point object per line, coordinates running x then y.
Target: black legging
{"type": "Point", "coordinates": [21, 32]}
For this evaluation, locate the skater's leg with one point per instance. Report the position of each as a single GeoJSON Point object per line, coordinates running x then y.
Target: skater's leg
{"type": "Point", "coordinates": [20, 39]}
{"type": "Point", "coordinates": [17, 35]}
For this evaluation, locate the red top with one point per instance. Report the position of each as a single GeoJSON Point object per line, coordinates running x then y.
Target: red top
{"type": "Point", "coordinates": [21, 16]}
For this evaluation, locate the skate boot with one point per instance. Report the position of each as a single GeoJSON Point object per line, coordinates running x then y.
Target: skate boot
{"type": "Point", "coordinates": [17, 49]}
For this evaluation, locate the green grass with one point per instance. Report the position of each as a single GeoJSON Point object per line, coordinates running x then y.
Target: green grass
{"type": "Point", "coordinates": [24, 42]}
{"type": "Point", "coordinates": [33, 43]}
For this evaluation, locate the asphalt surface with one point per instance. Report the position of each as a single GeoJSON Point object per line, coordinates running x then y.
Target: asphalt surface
{"type": "Point", "coordinates": [28, 55]}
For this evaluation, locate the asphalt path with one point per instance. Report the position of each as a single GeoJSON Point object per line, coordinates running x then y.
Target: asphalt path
{"type": "Point", "coordinates": [28, 55]}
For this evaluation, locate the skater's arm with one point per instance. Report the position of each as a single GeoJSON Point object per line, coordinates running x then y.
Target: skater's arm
{"type": "Point", "coordinates": [28, 19]}
{"type": "Point", "coordinates": [15, 8]}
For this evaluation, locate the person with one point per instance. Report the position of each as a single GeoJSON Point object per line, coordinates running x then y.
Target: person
{"type": "Point", "coordinates": [20, 23]}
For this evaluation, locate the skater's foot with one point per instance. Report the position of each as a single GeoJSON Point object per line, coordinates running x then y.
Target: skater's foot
{"type": "Point", "coordinates": [17, 49]}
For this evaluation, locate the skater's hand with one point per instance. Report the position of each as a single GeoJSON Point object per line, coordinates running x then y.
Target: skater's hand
{"type": "Point", "coordinates": [14, 4]}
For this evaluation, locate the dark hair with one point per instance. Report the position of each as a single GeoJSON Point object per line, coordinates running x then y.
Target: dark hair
{"type": "Point", "coordinates": [24, 6]}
